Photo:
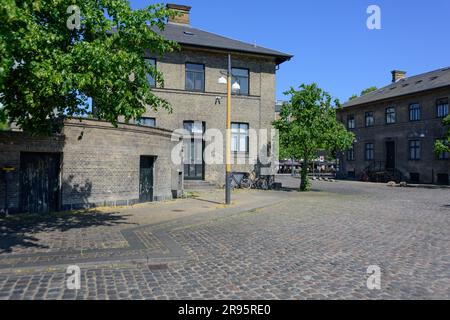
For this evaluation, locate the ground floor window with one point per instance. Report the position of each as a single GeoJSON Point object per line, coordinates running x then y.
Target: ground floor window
{"type": "Point", "coordinates": [369, 151]}
{"type": "Point", "coordinates": [239, 137]}
{"type": "Point", "coordinates": [414, 150]}
{"type": "Point", "coordinates": [443, 155]}
{"type": "Point", "coordinates": [351, 153]}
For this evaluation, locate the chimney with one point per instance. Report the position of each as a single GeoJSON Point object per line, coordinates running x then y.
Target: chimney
{"type": "Point", "coordinates": [398, 75]}
{"type": "Point", "coordinates": [183, 17]}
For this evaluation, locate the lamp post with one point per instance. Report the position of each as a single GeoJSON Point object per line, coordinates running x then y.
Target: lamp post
{"type": "Point", "coordinates": [230, 87]}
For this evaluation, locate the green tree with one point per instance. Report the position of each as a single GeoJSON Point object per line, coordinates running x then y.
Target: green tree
{"type": "Point", "coordinates": [365, 91]}
{"type": "Point", "coordinates": [51, 66]}
{"type": "Point", "coordinates": [368, 90]}
{"type": "Point", "coordinates": [442, 146]}
{"type": "Point", "coordinates": [308, 123]}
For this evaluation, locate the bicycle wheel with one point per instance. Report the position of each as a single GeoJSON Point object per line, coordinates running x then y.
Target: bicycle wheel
{"type": "Point", "coordinates": [262, 184]}
{"type": "Point", "coordinates": [246, 183]}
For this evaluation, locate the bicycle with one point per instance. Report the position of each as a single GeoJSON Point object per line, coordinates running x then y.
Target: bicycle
{"type": "Point", "coordinates": [253, 182]}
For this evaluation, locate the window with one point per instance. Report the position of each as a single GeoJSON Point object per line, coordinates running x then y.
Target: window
{"type": "Point", "coordinates": [443, 155]}
{"type": "Point", "coordinates": [442, 108]}
{"type": "Point", "coordinates": [150, 78]}
{"type": "Point", "coordinates": [414, 112]}
{"type": "Point", "coordinates": [390, 115]}
{"type": "Point", "coordinates": [351, 153]}
{"type": "Point", "coordinates": [241, 76]}
{"type": "Point", "coordinates": [369, 119]}
{"type": "Point", "coordinates": [368, 152]}
{"type": "Point", "coordinates": [351, 122]}
{"type": "Point", "coordinates": [195, 77]}
{"type": "Point", "coordinates": [146, 122]}
{"type": "Point", "coordinates": [239, 137]}
{"type": "Point", "coordinates": [414, 150]}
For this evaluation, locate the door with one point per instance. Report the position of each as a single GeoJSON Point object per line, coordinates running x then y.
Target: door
{"type": "Point", "coordinates": [193, 151]}
{"type": "Point", "coordinates": [390, 154]}
{"type": "Point", "coordinates": [146, 178]}
{"type": "Point", "coordinates": [39, 182]}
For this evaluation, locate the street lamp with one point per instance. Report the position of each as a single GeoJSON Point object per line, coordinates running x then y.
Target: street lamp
{"type": "Point", "coordinates": [234, 87]}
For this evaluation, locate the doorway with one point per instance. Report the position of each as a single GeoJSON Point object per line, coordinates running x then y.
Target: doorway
{"type": "Point", "coordinates": [194, 166]}
{"type": "Point", "coordinates": [39, 182]}
{"type": "Point", "coordinates": [390, 155]}
{"type": "Point", "coordinates": [146, 169]}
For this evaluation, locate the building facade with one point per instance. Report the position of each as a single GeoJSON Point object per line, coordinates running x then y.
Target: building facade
{"type": "Point", "coordinates": [396, 128]}
{"type": "Point", "coordinates": [199, 101]}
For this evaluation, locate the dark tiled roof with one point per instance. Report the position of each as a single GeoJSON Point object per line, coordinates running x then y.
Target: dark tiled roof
{"type": "Point", "coordinates": [422, 82]}
{"type": "Point", "coordinates": [186, 35]}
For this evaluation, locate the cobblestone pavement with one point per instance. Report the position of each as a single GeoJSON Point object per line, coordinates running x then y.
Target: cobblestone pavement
{"type": "Point", "coordinates": [314, 245]}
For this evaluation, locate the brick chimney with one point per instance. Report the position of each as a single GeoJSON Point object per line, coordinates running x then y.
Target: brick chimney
{"type": "Point", "coordinates": [398, 75]}
{"type": "Point", "coordinates": [183, 17]}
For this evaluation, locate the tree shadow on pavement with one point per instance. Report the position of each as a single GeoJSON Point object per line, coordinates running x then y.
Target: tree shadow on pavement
{"type": "Point", "coordinates": [18, 230]}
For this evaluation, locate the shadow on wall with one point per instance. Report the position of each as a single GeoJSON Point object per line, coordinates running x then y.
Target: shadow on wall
{"type": "Point", "coordinates": [75, 196]}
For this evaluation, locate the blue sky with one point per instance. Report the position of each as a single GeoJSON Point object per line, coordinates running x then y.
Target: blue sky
{"type": "Point", "coordinates": [329, 38]}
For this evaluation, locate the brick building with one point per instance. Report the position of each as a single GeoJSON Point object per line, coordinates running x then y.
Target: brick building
{"type": "Point", "coordinates": [199, 101]}
{"type": "Point", "coordinates": [396, 128]}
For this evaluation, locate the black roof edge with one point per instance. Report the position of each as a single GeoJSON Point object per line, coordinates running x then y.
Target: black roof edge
{"type": "Point", "coordinates": [393, 98]}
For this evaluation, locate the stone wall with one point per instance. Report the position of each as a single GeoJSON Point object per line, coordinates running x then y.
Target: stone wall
{"type": "Point", "coordinates": [427, 130]}
{"type": "Point", "coordinates": [100, 163]}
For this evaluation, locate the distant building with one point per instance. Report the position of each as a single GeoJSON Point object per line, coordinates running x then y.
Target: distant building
{"type": "Point", "coordinates": [396, 128]}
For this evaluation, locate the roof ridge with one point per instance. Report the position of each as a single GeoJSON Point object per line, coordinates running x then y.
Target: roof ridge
{"type": "Point", "coordinates": [406, 86]}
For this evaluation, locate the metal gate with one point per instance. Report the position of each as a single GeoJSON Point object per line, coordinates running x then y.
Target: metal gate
{"type": "Point", "coordinates": [146, 178]}
{"type": "Point", "coordinates": [39, 182]}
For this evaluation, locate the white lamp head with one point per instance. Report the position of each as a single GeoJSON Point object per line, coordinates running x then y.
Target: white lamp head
{"type": "Point", "coordinates": [222, 80]}
{"type": "Point", "coordinates": [236, 86]}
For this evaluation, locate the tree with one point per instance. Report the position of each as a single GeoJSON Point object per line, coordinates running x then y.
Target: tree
{"type": "Point", "coordinates": [52, 66]}
{"type": "Point", "coordinates": [308, 123]}
{"type": "Point", "coordinates": [365, 91]}
{"type": "Point", "coordinates": [443, 146]}
{"type": "Point", "coordinates": [368, 90]}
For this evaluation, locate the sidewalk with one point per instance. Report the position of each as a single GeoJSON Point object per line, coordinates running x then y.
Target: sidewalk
{"type": "Point", "coordinates": [120, 234]}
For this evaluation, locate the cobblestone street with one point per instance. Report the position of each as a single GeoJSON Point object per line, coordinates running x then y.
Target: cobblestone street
{"type": "Point", "coordinates": [268, 245]}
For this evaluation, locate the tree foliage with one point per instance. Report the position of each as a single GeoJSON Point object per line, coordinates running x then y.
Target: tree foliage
{"type": "Point", "coordinates": [308, 123]}
{"type": "Point", "coordinates": [49, 70]}
{"type": "Point", "coordinates": [368, 90]}
{"type": "Point", "coordinates": [365, 91]}
{"type": "Point", "coordinates": [443, 145]}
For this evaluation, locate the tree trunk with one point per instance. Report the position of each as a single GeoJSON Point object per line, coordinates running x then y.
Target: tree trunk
{"type": "Point", "coordinates": [292, 167]}
{"type": "Point", "coordinates": [304, 175]}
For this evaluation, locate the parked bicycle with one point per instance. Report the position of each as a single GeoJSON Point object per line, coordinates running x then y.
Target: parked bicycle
{"type": "Point", "coordinates": [252, 181]}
